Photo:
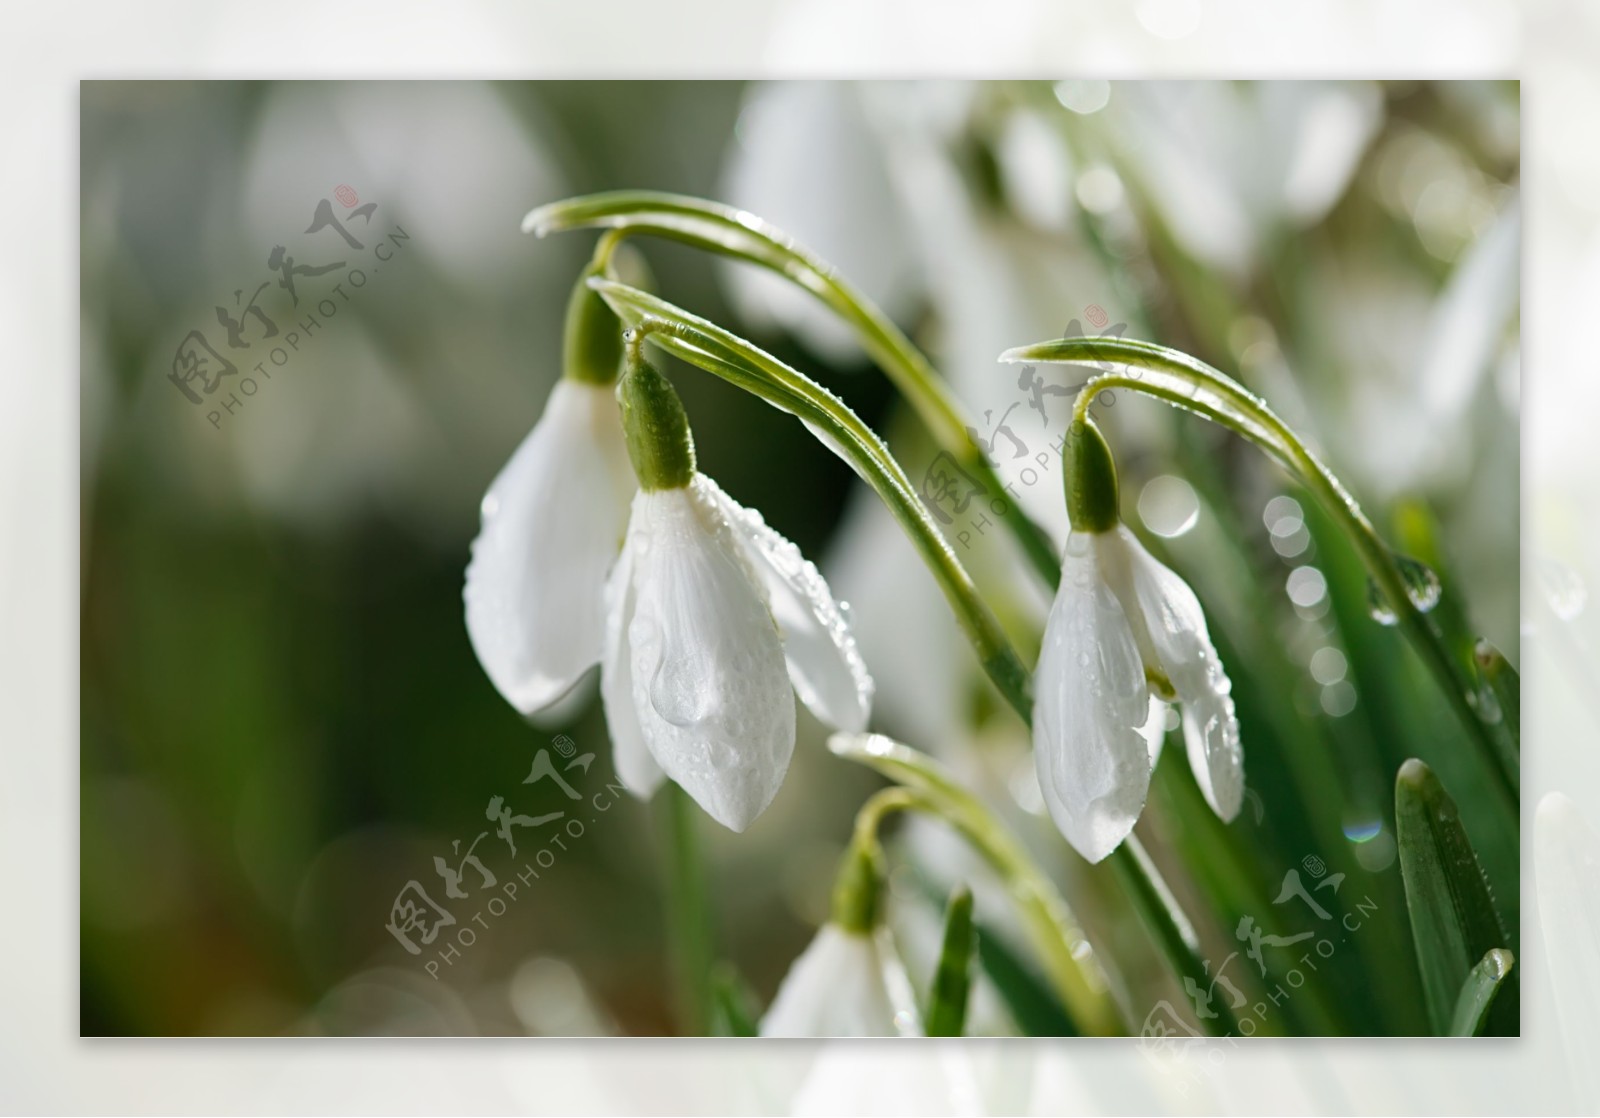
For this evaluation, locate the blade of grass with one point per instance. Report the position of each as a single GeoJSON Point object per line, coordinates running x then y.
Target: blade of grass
{"type": "Point", "coordinates": [952, 979]}
{"type": "Point", "coordinates": [1453, 916]}
{"type": "Point", "coordinates": [1480, 992]}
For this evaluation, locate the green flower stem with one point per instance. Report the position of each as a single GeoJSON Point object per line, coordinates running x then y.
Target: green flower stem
{"type": "Point", "coordinates": [709, 347]}
{"type": "Point", "coordinates": [688, 910]}
{"type": "Point", "coordinates": [1069, 961]}
{"type": "Point", "coordinates": [1189, 383]}
{"type": "Point", "coordinates": [734, 233]}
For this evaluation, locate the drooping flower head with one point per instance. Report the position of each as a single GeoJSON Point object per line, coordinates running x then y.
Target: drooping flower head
{"type": "Point", "coordinates": [849, 981]}
{"type": "Point", "coordinates": [552, 523]}
{"type": "Point", "coordinates": [713, 622]}
{"type": "Point", "coordinates": [1123, 627]}
{"type": "Point", "coordinates": [706, 621]}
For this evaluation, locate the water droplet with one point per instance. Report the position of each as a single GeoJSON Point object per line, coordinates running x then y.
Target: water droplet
{"type": "Point", "coordinates": [1422, 588]}
{"type": "Point", "coordinates": [1487, 704]}
{"type": "Point", "coordinates": [1422, 585]}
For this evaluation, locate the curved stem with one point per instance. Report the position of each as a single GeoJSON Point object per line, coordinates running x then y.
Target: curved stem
{"type": "Point", "coordinates": [743, 236]}
{"type": "Point", "coordinates": [1051, 928]}
{"type": "Point", "coordinates": [1189, 383]}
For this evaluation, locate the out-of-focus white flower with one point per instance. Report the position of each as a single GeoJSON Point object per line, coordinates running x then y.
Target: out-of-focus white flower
{"type": "Point", "coordinates": [552, 522]}
{"type": "Point", "coordinates": [1122, 624]}
{"type": "Point", "coordinates": [845, 984]}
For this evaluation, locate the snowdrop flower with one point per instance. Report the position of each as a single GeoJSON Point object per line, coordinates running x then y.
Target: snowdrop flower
{"type": "Point", "coordinates": [1122, 626]}
{"type": "Point", "coordinates": [849, 981]}
{"type": "Point", "coordinates": [552, 523]}
{"type": "Point", "coordinates": [713, 622]}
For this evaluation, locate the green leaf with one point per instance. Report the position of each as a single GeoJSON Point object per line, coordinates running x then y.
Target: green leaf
{"type": "Point", "coordinates": [952, 979]}
{"type": "Point", "coordinates": [1479, 993]}
{"type": "Point", "coordinates": [1453, 916]}
{"type": "Point", "coordinates": [733, 1005]}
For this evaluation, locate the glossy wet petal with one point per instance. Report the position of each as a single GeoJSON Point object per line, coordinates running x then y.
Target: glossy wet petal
{"type": "Point", "coordinates": [827, 670]}
{"type": "Point", "coordinates": [630, 756]}
{"type": "Point", "coordinates": [709, 684]}
{"type": "Point", "coordinates": [1177, 629]}
{"type": "Point", "coordinates": [1090, 700]}
{"type": "Point", "coordinates": [552, 522]}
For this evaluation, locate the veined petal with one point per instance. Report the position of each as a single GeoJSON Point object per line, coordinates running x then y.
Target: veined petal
{"type": "Point", "coordinates": [630, 755]}
{"type": "Point", "coordinates": [709, 686]}
{"type": "Point", "coordinates": [1177, 628]}
{"type": "Point", "coordinates": [1090, 699]}
{"type": "Point", "coordinates": [843, 985]}
{"type": "Point", "coordinates": [827, 671]}
{"type": "Point", "coordinates": [552, 522]}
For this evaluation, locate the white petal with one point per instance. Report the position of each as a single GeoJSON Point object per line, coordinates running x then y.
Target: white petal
{"type": "Point", "coordinates": [709, 685]}
{"type": "Point", "coordinates": [843, 985]}
{"type": "Point", "coordinates": [552, 522]}
{"type": "Point", "coordinates": [1154, 730]}
{"type": "Point", "coordinates": [630, 756]}
{"type": "Point", "coordinates": [1090, 697]}
{"type": "Point", "coordinates": [827, 670]}
{"type": "Point", "coordinates": [1177, 631]}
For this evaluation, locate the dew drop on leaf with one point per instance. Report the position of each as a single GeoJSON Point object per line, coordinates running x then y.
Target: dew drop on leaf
{"type": "Point", "coordinates": [1422, 588]}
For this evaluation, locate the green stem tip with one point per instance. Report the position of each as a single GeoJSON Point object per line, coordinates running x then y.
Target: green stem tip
{"type": "Point", "coordinates": [654, 423]}
{"type": "Point", "coordinates": [591, 347]}
{"type": "Point", "coordinates": [858, 887]}
{"type": "Point", "coordinates": [1090, 478]}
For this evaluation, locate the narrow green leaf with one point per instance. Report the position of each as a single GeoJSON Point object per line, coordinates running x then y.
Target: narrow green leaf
{"type": "Point", "coordinates": [1453, 916]}
{"type": "Point", "coordinates": [733, 1005]}
{"type": "Point", "coordinates": [952, 979]}
{"type": "Point", "coordinates": [1479, 993]}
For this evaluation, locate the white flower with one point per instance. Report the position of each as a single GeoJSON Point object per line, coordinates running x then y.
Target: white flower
{"type": "Point", "coordinates": [710, 617]}
{"type": "Point", "coordinates": [845, 984]}
{"type": "Point", "coordinates": [1122, 621]}
{"type": "Point", "coordinates": [552, 523]}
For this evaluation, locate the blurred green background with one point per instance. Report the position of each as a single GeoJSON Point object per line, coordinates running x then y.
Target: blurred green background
{"type": "Point", "coordinates": [283, 722]}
